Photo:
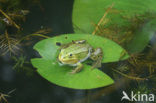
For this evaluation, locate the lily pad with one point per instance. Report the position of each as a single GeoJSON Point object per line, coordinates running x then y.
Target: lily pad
{"type": "Point", "coordinates": [48, 66]}
{"type": "Point", "coordinates": [86, 79]}
{"type": "Point", "coordinates": [87, 13]}
{"type": "Point", "coordinates": [142, 37]}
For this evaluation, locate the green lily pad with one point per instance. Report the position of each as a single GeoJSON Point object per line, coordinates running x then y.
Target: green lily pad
{"type": "Point", "coordinates": [86, 79]}
{"type": "Point", "coordinates": [142, 37]}
{"type": "Point", "coordinates": [48, 66]}
{"type": "Point", "coordinates": [87, 13]}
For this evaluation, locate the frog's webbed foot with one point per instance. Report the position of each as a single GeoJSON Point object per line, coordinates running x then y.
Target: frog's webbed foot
{"type": "Point", "coordinates": [77, 69]}
{"type": "Point", "coordinates": [96, 64]}
{"type": "Point", "coordinates": [96, 56]}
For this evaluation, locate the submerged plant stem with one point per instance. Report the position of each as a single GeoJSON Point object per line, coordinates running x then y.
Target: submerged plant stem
{"type": "Point", "coordinates": [11, 21]}
{"type": "Point", "coordinates": [102, 19]}
{"type": "Point", "coordinates": [8, 41]}
{"type": "Point", "coordinates": [40, 35]}
{"type": "Point", "coordinates": [130, 77]}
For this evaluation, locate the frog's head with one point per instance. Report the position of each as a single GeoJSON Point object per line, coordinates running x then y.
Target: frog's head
{"type": "Point", "coordinates": [67, 57]}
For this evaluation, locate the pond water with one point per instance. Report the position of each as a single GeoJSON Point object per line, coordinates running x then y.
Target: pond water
{"type": "Point", "coordinates": [30, 87]}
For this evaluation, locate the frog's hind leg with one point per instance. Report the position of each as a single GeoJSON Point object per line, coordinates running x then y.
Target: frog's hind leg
{"type": "Point", "coordinates": [97, 56]}
{"type": "Point", "coordinates": [77, 69]}
{"type": "Point", "coordinates": [96, 64]}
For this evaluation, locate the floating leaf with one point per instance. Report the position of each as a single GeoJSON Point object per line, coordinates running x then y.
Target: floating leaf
{"type": "Point", "coordinates": [85, 79]}
{"type": "Point", "coordinates": [142, 37]}
{"type": "Point", "coordinates": [87, 14]}
{"type": "Point", "coordinates": [48, 66]}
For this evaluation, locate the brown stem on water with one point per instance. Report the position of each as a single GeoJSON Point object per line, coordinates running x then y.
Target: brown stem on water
{"type": "Point", "coordinates": [129, 77]}
{"type": "Point", "coordinates": [102, 19]}
{"type": "Point", "coordinates": [10, 20]}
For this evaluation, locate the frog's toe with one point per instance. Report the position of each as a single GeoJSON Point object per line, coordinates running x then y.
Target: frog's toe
{"type": "Point", "coordinates": [72, 72]}
{"type": "Point", "coordinates": [96, 65]}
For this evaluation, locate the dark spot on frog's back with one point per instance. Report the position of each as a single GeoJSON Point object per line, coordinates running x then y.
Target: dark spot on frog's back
{"type": "Point", "coordinates": [58, 43]}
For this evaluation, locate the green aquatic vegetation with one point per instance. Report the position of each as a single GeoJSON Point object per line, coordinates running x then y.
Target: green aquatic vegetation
{"type": "Point", "coordinates": [139, 67]}
{"type": "Point", "coordinates": [131, 76]}
{"type": "Point", "coordinates": [22, 65]}
{"type": "Point", "coordinates": [8, 44]}
{"type": "Point", "coordinates": [87, 15]}
{"type": "Point", "coordinates": [12, 45]}
{"type": "Point", "coordinates": [12, 42]}
{"type": "Point", "coordinates": [143, 89]}
{"type": "Point", "coordinates": [19, 62]}
{"type": "Point", "coordinates": [39, 33]}
{"type": "Point", "coordinates": [48, 66]}
{"type": "Point", "coordinates": [126, 22]}
{"type": "Point", "coordinates": [142, 37]}
{"type": "Point", "coordinates": [139, 27]}
{"type": "Point", "coordinates": [3, 97]}
{"type": "Point", "coordinates": [8, 20]}
{"type": "Point", "coordinates": [13, 12]}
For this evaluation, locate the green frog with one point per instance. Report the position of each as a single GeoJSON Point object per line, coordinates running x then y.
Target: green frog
{"type": "Point", "coordinates": [76, 52]}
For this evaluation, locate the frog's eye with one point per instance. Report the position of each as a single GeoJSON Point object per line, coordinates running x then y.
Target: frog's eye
{"type": "Point", "coordinates": [70, 55]}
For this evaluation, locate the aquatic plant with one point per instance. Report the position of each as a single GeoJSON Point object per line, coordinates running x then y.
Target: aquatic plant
{"type": "Point", "coordinates": [49, 68]}
{"type": "Point", "coordinates": [3, 97]}
{"type": "Point", "coordinates": [12, 38]}
{"type": "Point", "coordinates": [127, 23]}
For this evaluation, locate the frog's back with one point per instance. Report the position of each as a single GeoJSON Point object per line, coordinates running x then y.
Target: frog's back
{"type": "Point", "coordinates": [79, 48]}
{"type": "Point", "coordinates": [81, 51]}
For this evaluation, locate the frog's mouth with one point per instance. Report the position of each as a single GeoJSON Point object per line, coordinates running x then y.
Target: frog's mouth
{"type": "Point", "coordinates": [62, 60]}
{"type": "Point", "coordinates": [60, 63]}
{"type": "Point", "coordinates": [71, 61]}
{"type": "Point", "coordinates": [64, 63]}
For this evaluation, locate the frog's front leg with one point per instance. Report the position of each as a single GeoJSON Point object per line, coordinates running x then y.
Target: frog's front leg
{"type": "Point", "coordinates": [77, 69]}
{"type": "Point", "coordinates": [96, 56]}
